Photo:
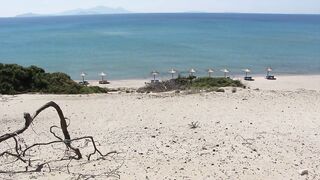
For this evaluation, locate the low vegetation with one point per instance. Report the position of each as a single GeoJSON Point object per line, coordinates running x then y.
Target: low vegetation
{"type": "Point", "coordinates": [187, 83]}
{"type": "Point", "coordinates": [15, 79]}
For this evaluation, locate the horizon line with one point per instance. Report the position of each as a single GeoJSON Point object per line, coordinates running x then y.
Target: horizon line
{"type": "Point", "coordinates": [184, 12]}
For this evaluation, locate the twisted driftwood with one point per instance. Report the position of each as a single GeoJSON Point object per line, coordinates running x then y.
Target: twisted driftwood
{"type": "Point", "coordinates": [19, 153]}
{"type": "Point", "coordinates": [63, 125]}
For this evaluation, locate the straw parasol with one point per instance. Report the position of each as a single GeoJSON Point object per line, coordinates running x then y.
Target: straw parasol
{"type": "Point", "coordinates": [154, 74]}
{"type": "Point", "coordinates": [225, 71]}
{"type": "Point", "coordinates": [192, 71]}
{"type": "Point", "coordinates": [269, 69]}
{"type": "Point", "coordinates": [210, 71]}
{"type": "Point", "coordinates": [83, 74]}
{"type": "Point", "coordinates": [246, 71]}
{"type": "Point", "coordinates": [102, 74]}
{"type": "Point", "coordinates": [172, 72]}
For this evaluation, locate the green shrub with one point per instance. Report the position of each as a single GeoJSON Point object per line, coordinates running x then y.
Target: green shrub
{"type": "Point", "coordinates": [207, 82]}
{"type": "Point", "coordinates": [15, 79]}
{"type": "Point", "coordinates": [183, 83]}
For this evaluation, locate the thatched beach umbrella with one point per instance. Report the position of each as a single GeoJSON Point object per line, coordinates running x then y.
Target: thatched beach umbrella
{"type": "Point", "coordinates": [210, 71]}
{"type": "Point", "coordinates": [172, 72]}
{"type": "Point", "coordinates": [102, 74]}
{"type": "Point", "coordinates": [225, 71]}
{"type": "Point", "coordinates": [154, 74]}
{"type": "Point", "coordinates": [83, 74]}
{"type": "Point", "coordinates": [269, 69]}
{"type": "Point", "coordinates": [246, 71]}
{"type": "Point", "coordinates": [192, 71]}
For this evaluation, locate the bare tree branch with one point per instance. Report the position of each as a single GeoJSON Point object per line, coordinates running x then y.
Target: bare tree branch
{"type": "Point", "coordinates": [20, 153]}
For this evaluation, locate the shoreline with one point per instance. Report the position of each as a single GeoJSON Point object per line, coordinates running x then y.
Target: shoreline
{"type": "Point", "coordinates": [165, 77]}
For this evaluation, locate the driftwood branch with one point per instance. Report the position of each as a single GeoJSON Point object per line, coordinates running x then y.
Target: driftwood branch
{"type": "Point", "coordinates": [29, 120]}
{"type": "Point", "coordinates": [20, 154]}
{"type": "Point", "coordinates": [63, 125]}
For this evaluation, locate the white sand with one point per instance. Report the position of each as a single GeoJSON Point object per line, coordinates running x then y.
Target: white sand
{"type": "Point", "coordinates": [121, 83]}
{"type": "Point", "coordinates": [284, 82]}
{"type": "Point", "coordinates": [271, 133]}
{"type": "Point", "coordinates": [308, 82]}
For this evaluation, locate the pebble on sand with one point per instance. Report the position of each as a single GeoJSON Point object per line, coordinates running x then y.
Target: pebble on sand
{"type": "Point", "coordinates": [303, 172]}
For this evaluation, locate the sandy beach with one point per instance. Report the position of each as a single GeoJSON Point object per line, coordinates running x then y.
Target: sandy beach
{"type": "Point", "coordinates": [269, 130]}
{"type": "Point", "coordinates": [283, 82]}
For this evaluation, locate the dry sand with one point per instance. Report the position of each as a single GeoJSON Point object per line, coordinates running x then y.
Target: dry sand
{"type": "Point", "coordinates": [270, 133]}
{"type": "Point", "coordinates": [284, 82]}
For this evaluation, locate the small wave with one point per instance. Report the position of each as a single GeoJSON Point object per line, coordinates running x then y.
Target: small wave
{"type": "Point", "coordinates": [115, 33]}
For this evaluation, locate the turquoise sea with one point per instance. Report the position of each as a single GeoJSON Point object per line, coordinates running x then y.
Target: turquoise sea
{"type": "Point", "coordinates": [129, 46]}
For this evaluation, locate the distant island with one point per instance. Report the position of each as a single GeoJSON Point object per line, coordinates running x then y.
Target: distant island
{"type": "Point", "coordinates": [90, 11]}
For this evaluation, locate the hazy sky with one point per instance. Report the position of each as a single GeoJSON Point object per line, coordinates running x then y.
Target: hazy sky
{"type": "Point", "coordinates": [14, 7]}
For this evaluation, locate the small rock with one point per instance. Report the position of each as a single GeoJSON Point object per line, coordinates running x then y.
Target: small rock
{"type": "Point", "coordinates": [303, 172]}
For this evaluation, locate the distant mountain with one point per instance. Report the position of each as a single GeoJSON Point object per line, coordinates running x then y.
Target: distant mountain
{"type": "Point", "coordinates": [90, 11]}
{"type": "Point", "coordinates": [95, 10]}
{"type": "Point", "coordinates": [28, 15]}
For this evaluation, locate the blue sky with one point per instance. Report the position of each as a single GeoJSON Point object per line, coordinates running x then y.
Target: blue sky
{"type": "Point", "coordinates": [14, 7]}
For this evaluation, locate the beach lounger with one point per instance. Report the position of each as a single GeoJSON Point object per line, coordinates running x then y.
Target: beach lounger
{"type": "Point", "coordinates": [155, 81]}
{"type": "Point", "coordinates": [248, 78]}
{"type": "Point", "coordinates": [84, 83]}
{"type": "Point", "coordinates": [104, 82]}
{"type": "Point", "coordinates": [270, 77]}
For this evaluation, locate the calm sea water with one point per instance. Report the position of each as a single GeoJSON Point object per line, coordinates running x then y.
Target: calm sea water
{"type": "Point", "coordinates": [130, 46]}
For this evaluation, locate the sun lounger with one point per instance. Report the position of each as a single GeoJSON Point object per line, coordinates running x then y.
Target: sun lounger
{"type": "Point", "coordinates": [104, 82]}
{"type": "Point", "coordinates": [248, 78]}
{"type": "Point", "coordinates": [155, 81]}
{"type": "Point", "coordinates": [270, 77]}
{"type": "Point", "coordinates": [84, 83]}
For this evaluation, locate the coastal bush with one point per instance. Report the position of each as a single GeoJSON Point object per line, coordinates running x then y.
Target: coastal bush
{"type": "Point", "coordinates": [184, 83]}
{"type": "Point", "coordinates": [207, 82]}
{"type": "Point", "coordinates": [15, 79]}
